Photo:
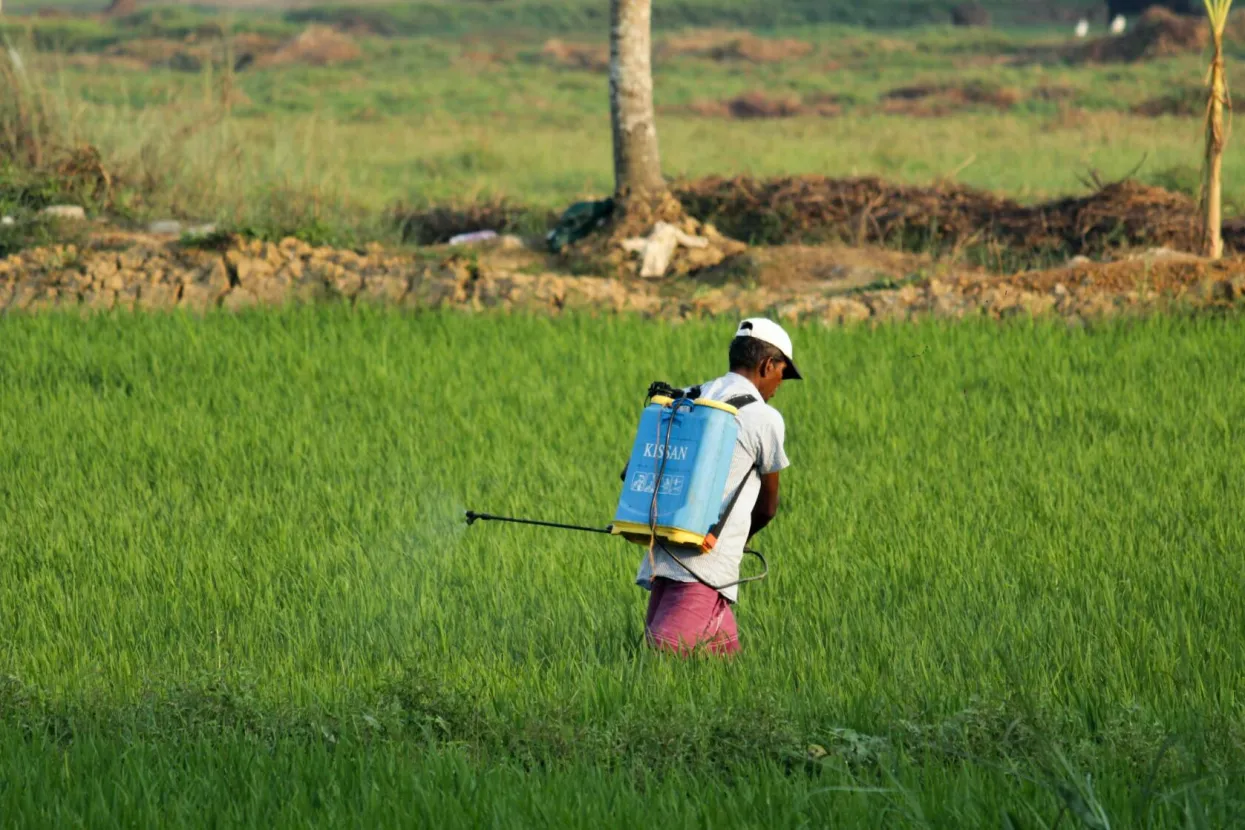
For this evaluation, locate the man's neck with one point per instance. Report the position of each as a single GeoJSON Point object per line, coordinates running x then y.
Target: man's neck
{"type": "Point", "coordinates": [749, 375]}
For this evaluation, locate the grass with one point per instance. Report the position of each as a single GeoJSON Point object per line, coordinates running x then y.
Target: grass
{"type": "Point", "coordinates": [387, 786]}
{"type": "Point", "coordinates": [235, 585]}
{"type": "Point", "coordinates": [480, 117]}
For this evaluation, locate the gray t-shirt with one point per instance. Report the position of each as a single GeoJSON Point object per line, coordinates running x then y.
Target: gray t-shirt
{"type": "Point", "coordinates": [758, 447]}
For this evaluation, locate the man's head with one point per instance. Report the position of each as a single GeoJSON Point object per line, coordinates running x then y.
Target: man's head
{"type": "Point", "coordinates": [761, 352]}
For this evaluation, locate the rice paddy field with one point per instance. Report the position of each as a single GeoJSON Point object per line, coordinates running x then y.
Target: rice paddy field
{"type": "Point", "coordinates": [236, 584]}
{"type": "Point", "coordinates": [236, 588]}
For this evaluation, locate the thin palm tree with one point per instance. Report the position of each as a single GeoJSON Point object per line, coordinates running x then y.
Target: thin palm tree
{"type": "Point", "coordinates": [1217, 103]}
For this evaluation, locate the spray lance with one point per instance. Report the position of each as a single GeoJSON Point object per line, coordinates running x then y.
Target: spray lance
{"type": "Point", "coordinates": [675, 480]}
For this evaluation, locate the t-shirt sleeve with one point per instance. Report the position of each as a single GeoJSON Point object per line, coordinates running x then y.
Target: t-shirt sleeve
{"type": "Point", "coordinates": [771, 439]}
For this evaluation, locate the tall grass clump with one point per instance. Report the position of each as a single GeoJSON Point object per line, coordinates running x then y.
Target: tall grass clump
{"type": "Point", "coordinates": [192, 159]}
{"type": "Point", "coordinates": [42, 158]}
{"type": "Point", "coordinates": [37, 168]}
{"type": "Point", "coordinates": [28, 124]}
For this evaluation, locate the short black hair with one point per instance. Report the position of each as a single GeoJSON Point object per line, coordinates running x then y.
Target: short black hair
{"type": "Point", "coordinates": [751, 352]}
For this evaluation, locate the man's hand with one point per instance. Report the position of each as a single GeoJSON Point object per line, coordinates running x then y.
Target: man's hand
{"type": "Point", "coordinates": [766, 507]}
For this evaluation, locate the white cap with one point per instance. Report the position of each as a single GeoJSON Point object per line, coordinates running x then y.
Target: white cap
{"type": "Point", "coordinates": [770, 332]}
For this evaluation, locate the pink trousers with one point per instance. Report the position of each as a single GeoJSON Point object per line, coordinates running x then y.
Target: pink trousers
{"type": "Point", "coordinates": [683, 616]}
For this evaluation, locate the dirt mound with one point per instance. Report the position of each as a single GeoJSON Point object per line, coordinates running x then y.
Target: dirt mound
{"type": "Point", "coordinates": [585, 56]}
{"type": "Point", "coordinates": [825, 104]}
{"type": "Point", "coordinates": [359, 22]}
{"type": "Point", "coordinates": [93, 61]}
{"type": "Point", "coordinates": [1159, 33]}
{"type": "Point", "coordinates": [859, 211]}
{"type": "Point", "coordinates": [315, 46]}
{"type": "Point", "coordinates": [757, 105]}
{"type": "Point", "coordinates": [120, 8]}
{"type": "Point", "coordinates": [190, 54]}
{"type": "Point", "coordinates": [714, 44]}
{"type": "Point", "coordinates": [970, 15]}
{"type": "Point", "coordinates": [487, 51]}
{"type": "Point", "coordinates": [1158, 270]}
{"type": "Point", "coordinates": [437, 225]}
{"type": "Point", "coordinates": [936, 101]}
{"type": "Point", "coordinates": [916, 101]}
{"type": "Point", "coordinates": [750, 105]}
{"type": "Point", "coordinates": [620, 246]}
{"type": "Point", "coordinates": [160, 53]}
{"type": "Point", "coordinates": [246, 48]}
{"type": "Point", "coordinates": [727, 45]}
{"type": "Point", "coordinates": [1187, 101]}
{"type": "Point", "coordinates": [1054, 93]}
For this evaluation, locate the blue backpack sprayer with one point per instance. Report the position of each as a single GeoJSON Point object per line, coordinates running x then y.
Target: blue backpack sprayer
{"type": "Point", "coordinates": [674, 484]}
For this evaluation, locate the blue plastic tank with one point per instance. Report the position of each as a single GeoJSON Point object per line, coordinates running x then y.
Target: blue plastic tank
{"type": "Point", "coordinates": [696, 441]}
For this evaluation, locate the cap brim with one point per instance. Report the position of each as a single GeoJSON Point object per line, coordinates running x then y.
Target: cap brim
{"type": "Point", "coordinates": [791, 373]}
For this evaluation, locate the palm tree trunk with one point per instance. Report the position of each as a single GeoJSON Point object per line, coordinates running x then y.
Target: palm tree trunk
{"type": "Point", "coordinates": [637, 163]}
{"type": "Point", "coordinates": [1212, 239]}
{"type": "Point", "coordinates": [1216, 135]}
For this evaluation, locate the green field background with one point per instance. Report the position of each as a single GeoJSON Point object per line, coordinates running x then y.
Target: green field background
{"type": "Point", "coordinates": [453, 17]}
{"type": "Point", "coordinates": [459, 104]}
{"type": "Point", "coordinates": [233, 566]}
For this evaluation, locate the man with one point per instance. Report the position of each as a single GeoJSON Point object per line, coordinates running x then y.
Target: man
{"type": "Point", "coordinates": [683, 610]}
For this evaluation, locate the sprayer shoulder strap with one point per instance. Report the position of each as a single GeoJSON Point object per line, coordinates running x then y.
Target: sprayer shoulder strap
{"type": "Point", "coordinates": [739, 402]}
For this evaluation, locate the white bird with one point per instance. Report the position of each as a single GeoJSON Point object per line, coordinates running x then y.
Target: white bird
{"type": "Point", "coordinates": [1117, 25]}
{"type": "Point", "coordinates": [1082, 28]}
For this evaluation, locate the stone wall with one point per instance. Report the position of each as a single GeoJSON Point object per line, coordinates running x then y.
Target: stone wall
{"type": "Point", "coordinates": [154, 276]}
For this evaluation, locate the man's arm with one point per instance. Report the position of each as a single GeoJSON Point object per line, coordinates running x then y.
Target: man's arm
{"type": "Point", "coordinates": [766, 508]}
